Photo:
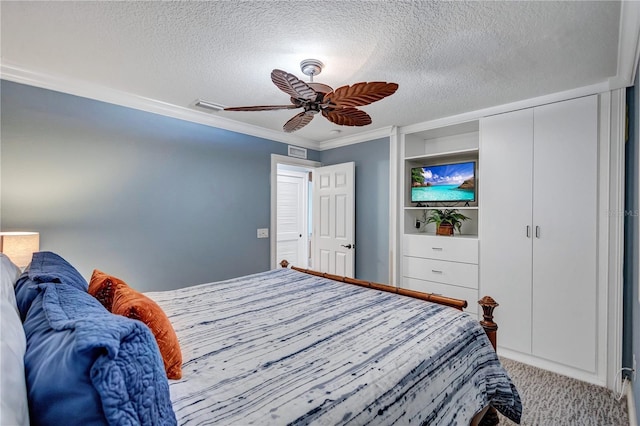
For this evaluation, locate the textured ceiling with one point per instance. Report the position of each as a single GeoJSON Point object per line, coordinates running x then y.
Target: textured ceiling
{"type": "Point", "coordinates": [447, 57]}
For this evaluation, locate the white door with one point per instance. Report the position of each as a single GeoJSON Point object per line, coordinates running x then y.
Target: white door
{"type": "Point", "coordinates": [291, 217]}
{"type": "Point", "coordinates": [334, 219]}
{"type": "Point", "coordinates": [565, 219]}
{"type": "Point", "coordinates": [506, 176]}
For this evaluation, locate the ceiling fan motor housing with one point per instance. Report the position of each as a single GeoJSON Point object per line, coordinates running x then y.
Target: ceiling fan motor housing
{"type": "Point", "coordinates": [312, 108]}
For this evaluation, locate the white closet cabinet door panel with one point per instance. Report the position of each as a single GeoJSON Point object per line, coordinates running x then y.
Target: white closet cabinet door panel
{"type": "Point", "coordinates": [565, 227]}
{"type": "Point", "coordinates": [505, 179]}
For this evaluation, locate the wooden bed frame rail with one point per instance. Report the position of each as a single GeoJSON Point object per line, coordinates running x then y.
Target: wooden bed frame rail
{"type": "Point", "coordinates": [487, 303]}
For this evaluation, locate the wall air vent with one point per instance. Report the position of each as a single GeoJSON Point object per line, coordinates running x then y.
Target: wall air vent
{"type": "Point", "coordinates": [297, 152]}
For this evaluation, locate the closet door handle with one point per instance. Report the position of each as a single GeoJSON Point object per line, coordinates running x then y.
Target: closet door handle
{"type": "Point", "coordinates": [435, 271]}
{"type": "Point", "coordinates": [528, 231]}
{"type": "Point", "coordinates": [537, 231]}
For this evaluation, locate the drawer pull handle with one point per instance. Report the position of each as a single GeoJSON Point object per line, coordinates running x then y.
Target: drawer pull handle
{"type": "Point", "coordinates": [436, 248]}
{"type": "Point", "coordinates": [435, 271]}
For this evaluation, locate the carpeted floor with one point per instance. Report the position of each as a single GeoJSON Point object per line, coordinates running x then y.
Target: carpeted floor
{"type": "Point", "coordinates": [549, 399]}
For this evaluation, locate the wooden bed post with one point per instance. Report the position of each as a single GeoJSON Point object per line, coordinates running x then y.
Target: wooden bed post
{"type": "Point", "coordinates": [490, 327]}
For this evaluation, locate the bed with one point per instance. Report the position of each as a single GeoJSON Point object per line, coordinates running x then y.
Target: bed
{"type": "Point", "coordinates": [286, 347]}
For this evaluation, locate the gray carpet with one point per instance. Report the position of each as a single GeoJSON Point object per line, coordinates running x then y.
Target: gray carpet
{"type": "Point", "coordinates": [549, 399]}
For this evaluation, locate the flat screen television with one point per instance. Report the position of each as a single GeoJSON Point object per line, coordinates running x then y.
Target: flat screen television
{"type": "Point", "coordinates": [444, 183]}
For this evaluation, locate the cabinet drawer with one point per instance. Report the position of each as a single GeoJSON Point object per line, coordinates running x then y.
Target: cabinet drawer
{"type": "Point", "coordinates": [442, 271]}
{"type": "Point", "coordinates": [441, 248]}
{"type": "Point", "coordinates": [470, 295]}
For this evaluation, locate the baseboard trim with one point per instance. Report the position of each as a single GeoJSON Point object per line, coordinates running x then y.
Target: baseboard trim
{"type": "Point", "coordinates": [631, 407]}
{"type": "Point", "coordinates": [554, 367]}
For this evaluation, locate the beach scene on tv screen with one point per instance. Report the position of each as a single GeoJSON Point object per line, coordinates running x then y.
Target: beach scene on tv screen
{"type": "Point", "coordinates": [447, 182]}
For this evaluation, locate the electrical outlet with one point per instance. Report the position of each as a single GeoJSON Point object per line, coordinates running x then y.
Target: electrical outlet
{"type": "Point", "coordinates": [263, 232]}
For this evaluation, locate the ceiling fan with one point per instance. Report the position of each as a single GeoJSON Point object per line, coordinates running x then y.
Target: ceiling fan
{"type": "Point", "coordinates": [338, 106]}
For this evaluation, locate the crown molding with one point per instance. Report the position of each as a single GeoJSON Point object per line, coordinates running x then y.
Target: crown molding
{"type": "Point", "coordinates": [499, 109]}
{"type": "Point", "coordinates": [628, 45]}
{"type": "Point", "coordinates": [369, 135]}
{"type": "Point", "coordinates": [105, 94]}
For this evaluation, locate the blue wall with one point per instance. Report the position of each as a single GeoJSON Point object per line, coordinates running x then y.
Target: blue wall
{"type": "Point", "coordinates": [372, 205]}
{"type": "Point", "coordinates": [631, 304]}
{"type": "Point", "coordinates": [160, 202]}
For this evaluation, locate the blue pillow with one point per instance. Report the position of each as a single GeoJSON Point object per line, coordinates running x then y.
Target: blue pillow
{"type": "Point", "coordinates": [45, 267]}
{"type": "Point", "coordinates": [86, 366]}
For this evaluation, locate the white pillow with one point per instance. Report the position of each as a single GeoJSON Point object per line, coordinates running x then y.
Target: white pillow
{"type": "Point", "coordinates": [14, 408]}
{"type": "Point", "coordinates": [9, 274]}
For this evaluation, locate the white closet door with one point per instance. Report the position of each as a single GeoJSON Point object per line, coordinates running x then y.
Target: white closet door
{"type": "Point", "coordinates": [291, 214]}
{"type": "Point", "coordinates": [565, 227]}
{"type": "Point", "coordinates": [505, 181]}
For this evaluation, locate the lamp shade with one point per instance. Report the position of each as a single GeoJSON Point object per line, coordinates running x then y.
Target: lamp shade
{"type": "Point", "coordinates": [19, 246]}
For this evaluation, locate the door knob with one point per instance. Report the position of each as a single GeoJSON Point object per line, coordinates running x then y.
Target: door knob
{"type": "Point", "coordinates": [349, 246]}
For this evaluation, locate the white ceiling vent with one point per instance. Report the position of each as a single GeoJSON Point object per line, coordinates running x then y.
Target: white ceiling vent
{"type": "Point", "coordinates": [295, 151]}
{"type": "Point", "coordinates": [206, 105]}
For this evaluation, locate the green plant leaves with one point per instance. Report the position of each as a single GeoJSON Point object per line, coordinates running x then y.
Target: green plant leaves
{"type": "Point", "coordinates": [450, 216]}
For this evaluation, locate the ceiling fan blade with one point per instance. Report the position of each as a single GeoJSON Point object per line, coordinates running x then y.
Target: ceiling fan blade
{"type": "Point", "coordinates": [347, 117]}
{"type": "Point", "coordinates": [360, 94]}
{"type": "Point", "coordinates": [297, 122]}
{"type": "Point", "coordinates": [292, 85]}
{"type": "Point", "coordinates": [261, 108]}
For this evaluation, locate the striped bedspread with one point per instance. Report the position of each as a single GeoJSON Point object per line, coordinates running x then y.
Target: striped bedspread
{"type": "Point", "coordinates": [283, 347]}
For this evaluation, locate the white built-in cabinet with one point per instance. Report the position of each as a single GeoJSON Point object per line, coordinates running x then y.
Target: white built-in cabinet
{"type": "Point", "coordinates": [545, 236]}
{"type": "Point", "coordinates": [446, 265]}
{"type": "Point", "coordinates": [538, 230]}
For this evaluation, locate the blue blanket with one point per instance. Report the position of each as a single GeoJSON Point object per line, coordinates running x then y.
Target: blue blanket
{"type": "Point", "coordinates": [45, 267]}
{"type": "Point", "coordinates": [87, 366]}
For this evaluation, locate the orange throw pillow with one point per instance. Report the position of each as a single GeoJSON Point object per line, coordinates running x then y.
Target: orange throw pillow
{"type": "Point", "coordinates": [120, 299]}
{"type": "Point", "coordinates": [103, 287]}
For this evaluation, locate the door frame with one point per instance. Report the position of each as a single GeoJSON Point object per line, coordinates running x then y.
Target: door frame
{"type": "Point", "coordinates": [290, 161]}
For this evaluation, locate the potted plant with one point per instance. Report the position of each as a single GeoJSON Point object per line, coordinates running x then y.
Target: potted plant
{"type": "Point", "coordinates": [446, 220]}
